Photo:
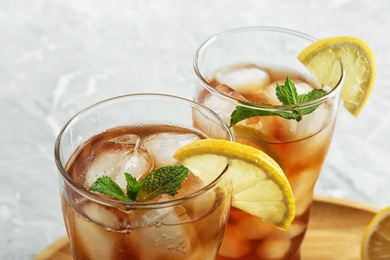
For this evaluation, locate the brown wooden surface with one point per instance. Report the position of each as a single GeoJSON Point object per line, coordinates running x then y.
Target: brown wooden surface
{"type": "Point", "coordinates": [335, 232]}
{"type": "Point", "coordinates": [336, 229]}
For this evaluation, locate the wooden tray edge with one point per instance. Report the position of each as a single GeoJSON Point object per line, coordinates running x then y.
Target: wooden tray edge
{"type": "Point", "coordinates": [54, 249]}
{"type": "Point", "coordinates": [346, 203]}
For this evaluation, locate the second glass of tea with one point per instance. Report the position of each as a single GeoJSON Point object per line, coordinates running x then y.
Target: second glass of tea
{"type": "Point", "coordinates": [242, 67]}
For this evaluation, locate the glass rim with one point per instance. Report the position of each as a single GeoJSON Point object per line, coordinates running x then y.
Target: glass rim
{"type": "Point", "coordinates": [79, 188]}
{"type": "Point", "coordinates": [262, 106]}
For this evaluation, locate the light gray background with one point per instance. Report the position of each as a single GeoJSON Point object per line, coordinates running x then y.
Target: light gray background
{"type": "Point", "coordinates": [56, 57]}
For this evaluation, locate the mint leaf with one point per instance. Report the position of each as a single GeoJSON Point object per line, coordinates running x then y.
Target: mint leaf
{"type": "Point", "coordinates": [287, 95]}
{"type": "Point", "coordinates": [242, 112]}
{"type": "Point", "coordinates": [165, 180]}
{"type": "Point", "coordinates": [106, 185]}
{"type": "Point", "coordinates": [312, 95]}
{"type": "Point", "coordinates": [132, 186]}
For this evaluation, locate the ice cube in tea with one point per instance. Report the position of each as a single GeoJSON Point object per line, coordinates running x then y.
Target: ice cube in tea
{"type": "Point", "coordinates": [115, 156]}
{"type": "Point", "coordinates": [163, 145]}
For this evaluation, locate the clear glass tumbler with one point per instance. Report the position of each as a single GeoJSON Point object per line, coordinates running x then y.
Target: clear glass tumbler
{"type": "Point", "coordinates": [240, 66]}
{"type": "Point", "coordinates": [135, 134]}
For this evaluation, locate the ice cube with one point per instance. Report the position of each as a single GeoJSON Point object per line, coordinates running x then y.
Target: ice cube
{"type": "Point", "coordinates": [244, 80]}
{"type": "Point", "coordinates": [162, 146]}
{"type": "Point", "coordinates": [154, 217]}
{"type": "Point", "coordinates": [270, 96]}
{"type": "Point", "coordinates": [273, 249]}
{"type": "Point", "coordinates": [273, 129]}
{"type": "Point", "coordinates": [90, 237]}
{"type": "Point", "coordinates": [191, 184]}
{"type": "Point", "coordinates": [234, 243]}
{"type": "Point", "coordinates": [230, 92]}
{"type": "Point", "coordinates": [294, 230]}
{"type": "Point", "coordinates": [167, 236]}
{"type": "Point", "coordinates": [267, 94]}
{"type": "Point", "coordinates": [254, 228]}
{"type": "Point", "coordinates": [302, 87]}
{"type": "Point", "coordinates": [221, 106]}
{"type": "Point", "coordinates": [208, 126]}
{"type": "Point", "coordinates": [286, 129]}
{"type": "Point", "coordinates": [101, 215]}
{"type": "Point", "coordinates": [303, 186]}
{"type": "Point", "coordinates": [204, 202]}
{"type": "Point", "coordinates": [314, 122]}
{"type": "Point", "coordinates": [118, 155]}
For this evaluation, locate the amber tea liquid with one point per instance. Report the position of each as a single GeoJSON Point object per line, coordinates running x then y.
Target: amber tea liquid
{"type": "Point", "coordinates": [299, 147]}
{"type": "Point", "coordinates": [191, 229]}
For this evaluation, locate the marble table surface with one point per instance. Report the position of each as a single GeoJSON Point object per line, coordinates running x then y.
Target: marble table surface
{"type": "Point", "coordinates": [56, 57]}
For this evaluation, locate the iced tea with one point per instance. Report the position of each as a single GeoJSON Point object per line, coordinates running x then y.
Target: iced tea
{"type": "Point", "coordinates": [299, 147]}
{"type": "Point", "coordinates": [188, 225]}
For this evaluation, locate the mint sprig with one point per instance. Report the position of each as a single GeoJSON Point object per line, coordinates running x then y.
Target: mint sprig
{"type": "Point", "coordinates": [287, 95]}
{"type": "Point", "coordinates": [164, 180]}
{"type": "Point", "coordinates": [109, 187]}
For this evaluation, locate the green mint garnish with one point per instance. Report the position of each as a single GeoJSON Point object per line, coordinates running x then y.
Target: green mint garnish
{"type": "Point", "coordinates": [132, 187]}
{"type": "Point", "coordinates": [288, 95]}
{"type": "Point", "coordinates": [109, 187]}
{"type": "Point", "coordinates": [164, 180]}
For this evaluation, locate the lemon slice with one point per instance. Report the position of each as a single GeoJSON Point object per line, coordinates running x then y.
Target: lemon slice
{"type": "Point", "coordinates": [322, 59]}
{"type": "Point", "coordinates": [376, 237]}
{"type": "Point", "coordinates": [259, 184]}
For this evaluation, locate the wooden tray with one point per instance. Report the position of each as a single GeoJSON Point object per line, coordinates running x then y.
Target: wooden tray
{"type": "Point", "coordinates": [335, 232]}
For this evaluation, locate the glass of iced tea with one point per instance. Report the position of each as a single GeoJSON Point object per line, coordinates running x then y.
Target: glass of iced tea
{"type": "Point", "coordinates": [238, 74]}
{"type": "Point", "coordinates": [137, 135]}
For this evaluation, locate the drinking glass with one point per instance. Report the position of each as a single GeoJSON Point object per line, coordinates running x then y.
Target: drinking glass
{"type": "Point", "coordinates": [245, 64]}
{"type": "Point", "coordinates": [189, 226]}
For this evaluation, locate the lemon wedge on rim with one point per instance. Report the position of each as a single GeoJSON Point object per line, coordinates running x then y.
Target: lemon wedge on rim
{"type": "Point", "coordinates": [376, 237]}
{"type": "Point", "coordinates": [259, 184]}
{"type": "Point", "coordinates": [358, 62]}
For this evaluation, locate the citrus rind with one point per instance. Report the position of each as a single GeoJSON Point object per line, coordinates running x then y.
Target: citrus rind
{"type": "Point", "coordinates": [259, 184]}
{"type": "Point", "coordinates": [376, 237]}
{"type": "Point", "coordinates": [358, 63]}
